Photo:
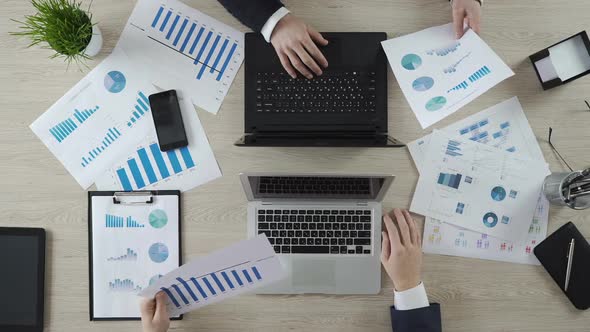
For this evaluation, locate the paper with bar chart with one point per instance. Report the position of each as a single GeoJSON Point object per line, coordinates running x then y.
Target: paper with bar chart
{"type": "Point", "coordinates": [505, 127]}
{"type": "Point", "coordinates": [147, 168]}
{"type": "Point", "coordinates": [184, 47]}
{"type": "Point", "coordinates": [223, 274]}
{"type": "Point", "coordinates": [478, 187]}
{"type": "Point", "coordinates": [132, 247]}
{"type": "Point", "coordinates": [97, 120]}
{"type": "Point", "coordinates": [439, 74]}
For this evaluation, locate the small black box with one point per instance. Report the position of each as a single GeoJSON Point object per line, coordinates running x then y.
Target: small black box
{"type": "Point", "coordinates": [563, 62]}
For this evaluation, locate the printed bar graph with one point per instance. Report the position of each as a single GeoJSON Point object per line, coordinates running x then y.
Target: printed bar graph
{"type": "Point", "coordinates": [63, 129]}
{"type": "Point", "coordinates": [133, 223]}
{"type": "Point", "coordinates": [114, 221]}
{"type": "Point", "coordinates": [141, 108]}
{"type": "Point", "coordinates": [444, 50]}
{"type": "Point", "coordinates": [208, 48]}
{"type": "Point", "coordinates": [482, 72]}
{"type": "Point", "coordinates": [190, 290]}
{"type": "Point", "coordinates": [111, 136]}
{"type": "Point", "coordinates": [453, 149]}
{"type": "Point", "coordinates": [149, 166]}
{"type": "Point", "coordinates": [450, 180]}
{"type": "Point", "coordinates": [129, 256]}
{"type": "Point", "coordinates": [123, 285]}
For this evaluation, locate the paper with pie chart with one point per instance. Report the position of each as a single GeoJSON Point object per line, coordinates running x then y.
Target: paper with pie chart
{"type": "Point", "coordinates": [478, 187]}
{"type": "Point", "coordinates": [133, 246]}
{"type": "Point", "coordinates": [101, 117]}
{"type": "Point", "coordinates": [439, 74]}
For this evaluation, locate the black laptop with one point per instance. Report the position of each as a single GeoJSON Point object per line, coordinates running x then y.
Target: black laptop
{"type": "Point", "coordinates": [346, 106]}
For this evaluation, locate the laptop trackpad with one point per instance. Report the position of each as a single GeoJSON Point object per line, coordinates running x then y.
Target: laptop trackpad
{"type": "Point", "coordinates": [313, 275]}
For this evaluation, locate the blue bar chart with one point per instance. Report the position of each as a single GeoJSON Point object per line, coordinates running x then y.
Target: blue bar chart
{"type": "Point", "coordinates": [111, 136]}
{"type": "Point", "coordinates": [481, 73]}
{"type": "Point", "coordinates": [123, 285]}
{"type": "Point", "coordinates": [201, 288]}
{"type": "Point", "coordinates": [210, 50]}
{"type": "Point", "coordinates": [129, 256]}
{"type": "Point", "coordinates": [443, 51]}
{"type": "Point", "coordinates": [450, 180]}
{"type": "Point", "coordinates": [140, 109]}
{"type": "Point", "coordinates": [63, 129]}
{"type": "Point", "coordinates": [453, 149]}
{"type": "Point", "coordinates": [150, 165]}
{"type": "Point", "coordinates": [112, 221]}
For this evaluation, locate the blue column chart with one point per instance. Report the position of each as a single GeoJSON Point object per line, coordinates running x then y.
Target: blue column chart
{"type": "Point", "coordinates": [150, 165]}
{"type": "Point", "coordinates": [210, 51]}
{"type": "Point", "coordinates": [63, 129]}
{"type": "Point", "coordinates": [129, 256]}
{"type": "Point", "coordinates": [482, 72]}
{"type": "Point", "coordinates": [202, 288]}
{"type": "Point", "coordinates": [141, 108]}
{"type": "Point", "coordinates": [111, 136]}
{"type": "Point", "coordinates": [112, 221]}
{"type": "Point", "coordinates": [449, 180]}
{"type": "Point", "coordinates": [123, 285]}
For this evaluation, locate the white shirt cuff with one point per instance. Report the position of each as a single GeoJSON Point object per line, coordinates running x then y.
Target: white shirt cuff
{"type": "Point", "coordinates": [272, 21]}
{"type": "Point", "coordinates": [412, 298]}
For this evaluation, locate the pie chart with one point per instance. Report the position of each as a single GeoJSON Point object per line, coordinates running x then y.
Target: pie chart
{"type": "Point", "coordinates": [498, 193]}
{"type": "Point", "coordinates": [411, 61]}
{"type": "Point", "coordinates": [423, 83]}
{"type": "Point", "coordinates": [436, 103]}
{"type": "Point", "coordinates": [158, 218]}
{"type": "Point", "coordinates": [158, 252]}
{"type": "Point", "coordinates": [490, 219]}
{"type": "Point", "coordinates": [155, 278]}
{"type": "Point", "coordinates": [115, 81]}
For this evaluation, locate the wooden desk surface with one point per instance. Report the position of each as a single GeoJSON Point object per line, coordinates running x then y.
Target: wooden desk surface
{"type": "Point", "coordinates": [476, 295]}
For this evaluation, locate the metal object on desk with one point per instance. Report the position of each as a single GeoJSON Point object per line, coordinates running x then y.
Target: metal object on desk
{"type": "Point", "coordinates": [568, 189]}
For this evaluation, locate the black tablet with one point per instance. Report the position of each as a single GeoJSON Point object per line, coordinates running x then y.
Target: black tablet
{"type": "Point", "coordinates": [22, 280]}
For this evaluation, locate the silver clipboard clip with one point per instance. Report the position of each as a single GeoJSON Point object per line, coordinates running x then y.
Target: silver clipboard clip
{"type": "Point", "coordinates": [133, 198]}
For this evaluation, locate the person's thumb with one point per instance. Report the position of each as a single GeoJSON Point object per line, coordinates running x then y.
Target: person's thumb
{"type": "Point", "coordinates": [161, 311]}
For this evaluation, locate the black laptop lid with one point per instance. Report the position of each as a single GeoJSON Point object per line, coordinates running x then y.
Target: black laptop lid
{"type": "Point", "coordinates": [350, 51]}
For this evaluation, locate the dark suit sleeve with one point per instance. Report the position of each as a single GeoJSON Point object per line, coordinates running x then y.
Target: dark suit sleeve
{"type": "Point", "coordinates": [253, 13]}
{"type": "Point", "coordinates": [425, 319]}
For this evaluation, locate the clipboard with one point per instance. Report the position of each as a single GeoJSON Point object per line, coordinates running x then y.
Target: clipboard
{"type": "Point", "coordinates": [133, 240]}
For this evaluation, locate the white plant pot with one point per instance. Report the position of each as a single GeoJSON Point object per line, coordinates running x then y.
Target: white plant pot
{"type": "Point", "coordinates": [95, 43]}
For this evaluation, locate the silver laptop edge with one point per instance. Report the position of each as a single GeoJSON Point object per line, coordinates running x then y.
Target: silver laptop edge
{"type": "Point", "coordinates": [324, 273]}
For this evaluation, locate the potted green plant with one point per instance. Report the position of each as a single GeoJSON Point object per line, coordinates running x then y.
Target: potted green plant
{"type": "Point", "coordinates": [64, 27]}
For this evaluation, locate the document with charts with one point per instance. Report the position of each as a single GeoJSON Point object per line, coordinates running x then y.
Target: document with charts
{"type": "Point", "coordinates": [145, 167]}
{"type": "Point", "coordinates": [439, 74]}
{"type": "Point", "coordinates": [131, 247]}
{"type": "Point", "coordinates": [505, 127]}
{"type": "Point", "coordinates": [183, 47]}
{"type": "Point", "coordinates": [478, 187]}
{"type": "Point", "coordinates": [99, 119]}
{"type": "Point", "coordinates": [223, 274]}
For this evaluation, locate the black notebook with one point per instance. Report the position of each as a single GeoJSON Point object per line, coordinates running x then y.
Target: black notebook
{"type": "Point", "coordinates": [553, 255]}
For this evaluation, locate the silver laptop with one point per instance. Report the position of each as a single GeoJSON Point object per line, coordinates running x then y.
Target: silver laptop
{"type": "Point", "coordinates": [326, 229]}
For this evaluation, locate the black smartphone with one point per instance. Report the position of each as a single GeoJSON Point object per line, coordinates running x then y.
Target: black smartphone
{"type": "Point", "coordinates": [168, 120]}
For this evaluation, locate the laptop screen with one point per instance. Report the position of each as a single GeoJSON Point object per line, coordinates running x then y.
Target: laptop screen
{"type": "Point", "coordinates": [319, 187]}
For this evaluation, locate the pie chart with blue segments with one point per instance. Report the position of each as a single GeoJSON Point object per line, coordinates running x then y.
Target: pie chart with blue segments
{"type": "Point", "coordinates": [115, 81]}
{"type": "Point", "coordinates": [423, 83]}
{"type": "Point", "coordinates": [158, 252]}
{"type": "Point", "coordinates": [158, 218]}
{"type": "Point", "coordinates": [411, 61]}
{"type": "Point", "coordinates": [436, 103]}
{"type": "Point", "coordinates": [490, 219]}
{"type": "Point", "coordinates": [498, 193]}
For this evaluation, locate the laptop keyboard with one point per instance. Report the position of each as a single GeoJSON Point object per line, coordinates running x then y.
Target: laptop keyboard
{"type": "Point", "coordinates": [314, 185]}
{"type": "Point", "coordinates": [317, 231]}
{"type": "Point", "coordinates": [334, 92]}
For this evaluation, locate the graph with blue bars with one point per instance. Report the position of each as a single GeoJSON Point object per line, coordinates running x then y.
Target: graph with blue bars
{"type": "Point", "coordinates": [453, 149]}
{"type": "Point", "coordinates": [63, 129]}
{"type": "Point", "coordinates": [123, 285]}
{"type": "Point", "coordinates": [210, 51]}
{"type": "Point", "coordinates": [450, 180]}
{"type": "Point", "coordinates": [481, 73]}
{"type": "Point", "coordinates": [112, 221]}
{"type": "Point", "coordinates": [141, 108]}
{"type": "Point", "coordinates": [202, 288]}
{"type": "Point", "coordinates": [130, 255]}
{"type": "Point", "coordinates": [150, 165]}
{"type": "Point", "coordinates": [443, 51]}
{"type": "Point", "coordinates": [111, 136]}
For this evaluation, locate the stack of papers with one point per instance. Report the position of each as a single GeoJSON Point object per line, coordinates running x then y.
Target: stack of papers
{"type": "Point", "coordinates": [439, 74]}
{"type": "Point", "coordinates": [102, 129]}
{"type": "Point", "coordinates": [480, 187]}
